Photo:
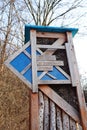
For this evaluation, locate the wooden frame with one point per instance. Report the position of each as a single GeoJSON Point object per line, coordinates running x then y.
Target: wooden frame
{"type": "Point", "coordinates": [76, 80]}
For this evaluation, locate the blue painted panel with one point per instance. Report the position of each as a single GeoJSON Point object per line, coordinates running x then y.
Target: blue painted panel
{"type": "Point", "coordinates": [37, 53]}
{"type": "Point", "coordinates": [28, 75]}
{"type": "Point", "coordinates": [39, 73]}
{"type": "Point", "coordinates": [20, 62]}
{"type": "Point", "coordinates": [28, 49]}
{"type": "Point", "coordinates": [57, 74]}
{"type": "Point", "coordinates": [46, 77]}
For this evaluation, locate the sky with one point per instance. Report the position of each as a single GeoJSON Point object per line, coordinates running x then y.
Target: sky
{"type": "Point", "coordinates": [80, 45]}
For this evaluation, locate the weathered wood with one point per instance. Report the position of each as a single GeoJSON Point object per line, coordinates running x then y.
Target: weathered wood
{"type": "Point", "coordinates": [26, 68]}
{"type": "Point", "coordinates": [46, 57]}
{"type": "Point", "coordinates": [50, 63]}
{"type": "Point", "coordinates": [44, 68]}
{"type": "Point", "coordinates": [27, 54]}
{"type": "Point", "coordinates": [46, 113]}
{"type": "Point", "coordinates": [71, 63]}
{"type": "Point", "coordinates": [79, 91]}
{"type": "Point", "coordinates": [65, 121]}
{"type": "Point", "coordinates": [34, 64]}
{"type": "Point", "coordinates": [63, 72]}
{"type": "Point", "coordinates": [50, 46]}
{"type": "Point", "coordinates": [53, 77]}
{"type": "Point", "coordinates": [59, 119]}
{"type": "Point", "coordinates": [52, 116]}
{"type": "Point", "coordinates": [57, 42]}
{"type": "Point", "coordinates": [41, 110]}
{"type": "Point", "coordinates": [34, 114]}
{"type": "Point", "coordinates": [72, 125]}
{"type": "Point", "coordinates": [53, 81]}
{"type": "Point", "coordinates": [60, 102]}
{"type": "Point", "coordinates": [51, 35]}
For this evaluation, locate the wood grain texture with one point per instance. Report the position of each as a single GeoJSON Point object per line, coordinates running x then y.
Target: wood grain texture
{"type": "Point", "coordinates": [52, 116]}
{"type": "Point", "coordinates": [46, 113]}
{"type": "Point", "coordinates": [72, 125]}
{"type": "Point", "coordinates": [80, 95]}
{"type": "Point", "coordinates": [41, 110]}
{"type": "Point", "coordinates": [34, 111]}
{"type": "Point", "coordinates": [65, 121]}
{"type": "Point", "coordinates": [34, 64]}
{"type": "Point", "coordinates": [59, 119]}
{"type": "Point", "coordinates": [60, 102]}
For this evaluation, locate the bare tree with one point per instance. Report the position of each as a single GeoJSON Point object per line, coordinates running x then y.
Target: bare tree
{"type": "Point", "coordinates": [44, 12]}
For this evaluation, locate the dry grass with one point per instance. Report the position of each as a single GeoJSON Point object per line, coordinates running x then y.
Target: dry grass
{"type": "Point", "coordinates": [14, 102]}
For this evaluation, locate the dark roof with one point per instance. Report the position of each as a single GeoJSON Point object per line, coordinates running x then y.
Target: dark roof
{"type": "Point", "coordinates": [28, 27]}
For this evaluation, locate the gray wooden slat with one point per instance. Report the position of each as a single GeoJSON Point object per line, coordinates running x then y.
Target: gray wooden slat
{"type": "Point", "coordinates": [27, 54]}
{"type": "Point", "coordinates": [44, 68]}
{"type": "Point", "coordinates": [53, 77]}
{"type": "Point", "coordinates": [59, 119]}
{"type": "Point", "coordinates": [42, 75]}
{"type": "Point", "coordinates": [27, 67]}
{"type": "Point", "coordinates": [51, 35]}
{"type": "Point", "coordinates": [65, 121]}
{"type": "Point", "coordinates": [46, 57]}
{"type": "Point", "coordinates": [46, 113]}
{"type": "Point", "coordinates": [41, 110]}
{"type": "Point", "coordinates": [63, 72]}
{"type": "Point", "coordinates": [54, 82]}
{"type": "Point", "coordinates": [52, 116]}
{"type": "Point", "coordinates": [50, 63]}
{"type": "Point", "coordinates": [71, 64]}
{"type": "Point", "coordinates": [72, 125]}
{"type": "Point", "coordinates": [34, 64]}
{"type": "Point", "coordinates": [57, 42]}
{"type": "Point", "coordinates": [50, 46]}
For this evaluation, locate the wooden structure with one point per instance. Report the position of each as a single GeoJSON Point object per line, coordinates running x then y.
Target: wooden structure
{"type": "Point", "coordinates": [47, 64]}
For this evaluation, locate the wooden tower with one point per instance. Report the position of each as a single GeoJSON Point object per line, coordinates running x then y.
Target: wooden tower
{"type": "Point", "coordinates": [47, 64]}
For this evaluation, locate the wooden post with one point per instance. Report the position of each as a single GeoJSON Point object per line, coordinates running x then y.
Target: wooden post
{"type": "Point", "coordinates": [80, 95]}
{"type": "Point", "coordinates": [34, 111]}
{"type": "Point", "coordinates": [34, 64]}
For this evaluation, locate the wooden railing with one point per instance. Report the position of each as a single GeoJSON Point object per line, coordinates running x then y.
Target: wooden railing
{"type": "Point", "coordinates": [55, 113]}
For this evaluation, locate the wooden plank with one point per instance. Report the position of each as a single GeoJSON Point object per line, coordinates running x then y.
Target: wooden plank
{"type": "Point", "coordinates": [46, 57]}
{"type": "Point", "coordinates": [26, 68]}
{"type": "Point", "coordinates": [79, 91]}
{"type": "Point", "coordinates": [57, 42]}
{"type": "Point", "coordinates": [59, 119]}
{"type": "Point", "coordinates": [51, 35]}
{"type": "Point", "coordinates": [50, 63]}
{"type": "Point", "coordinates": [60, 102]}
{"type": "Point", "coordinates": [46, 113]}
{"type": "Point", "coordinates": [27, 54]}
{"type": "Point", "coordinates": [41, 110]}
{"type": "Point", "coordinates": [34, 64]}
{"type": "Point", "coordinates": [65, 121]}
{"type": "Point", "coordinates": [72, 125]}
{"type": "Point", "coordinates": [53, 77]}
{"type": "Point", "coordinates": [63, 72]}
{"type": "Point", "coordinates": [34, 111]}
{"type": "Point", "coordinates": [52, 116]}
{"type": "Point", "coordinates": [54, 81]}
{"type": "Point", "coordinates": [44, 68]}
{"type": "Point", "coordinates": [70, 62]}
{"type": "Point", "coordinates": [50, 46]}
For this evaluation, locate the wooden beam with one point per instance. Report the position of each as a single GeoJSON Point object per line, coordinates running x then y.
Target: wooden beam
{"type": "Point", "coordinates": [51, 35]}
{"type": "Point", "coordinates": [80, 95]}
{"type": "Point", "coordinates": [50, 63]}
{"type": "Point", "coordinates": [26, 68]}
{"type": "Point", "coordinates": [46, 57]}
{"type": "Point", "coordinates": [44, 68]}
{"type": "Point", "coordinates": [34, 111]}
{"type": "Point", "coordinates": [54, 81]}
{"type": "Point", "coordinates": [60, 102]}
{"type": "Point", "coordinates": [34, 64]}
{"type": "Point", "coordinates": [50, 46]}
